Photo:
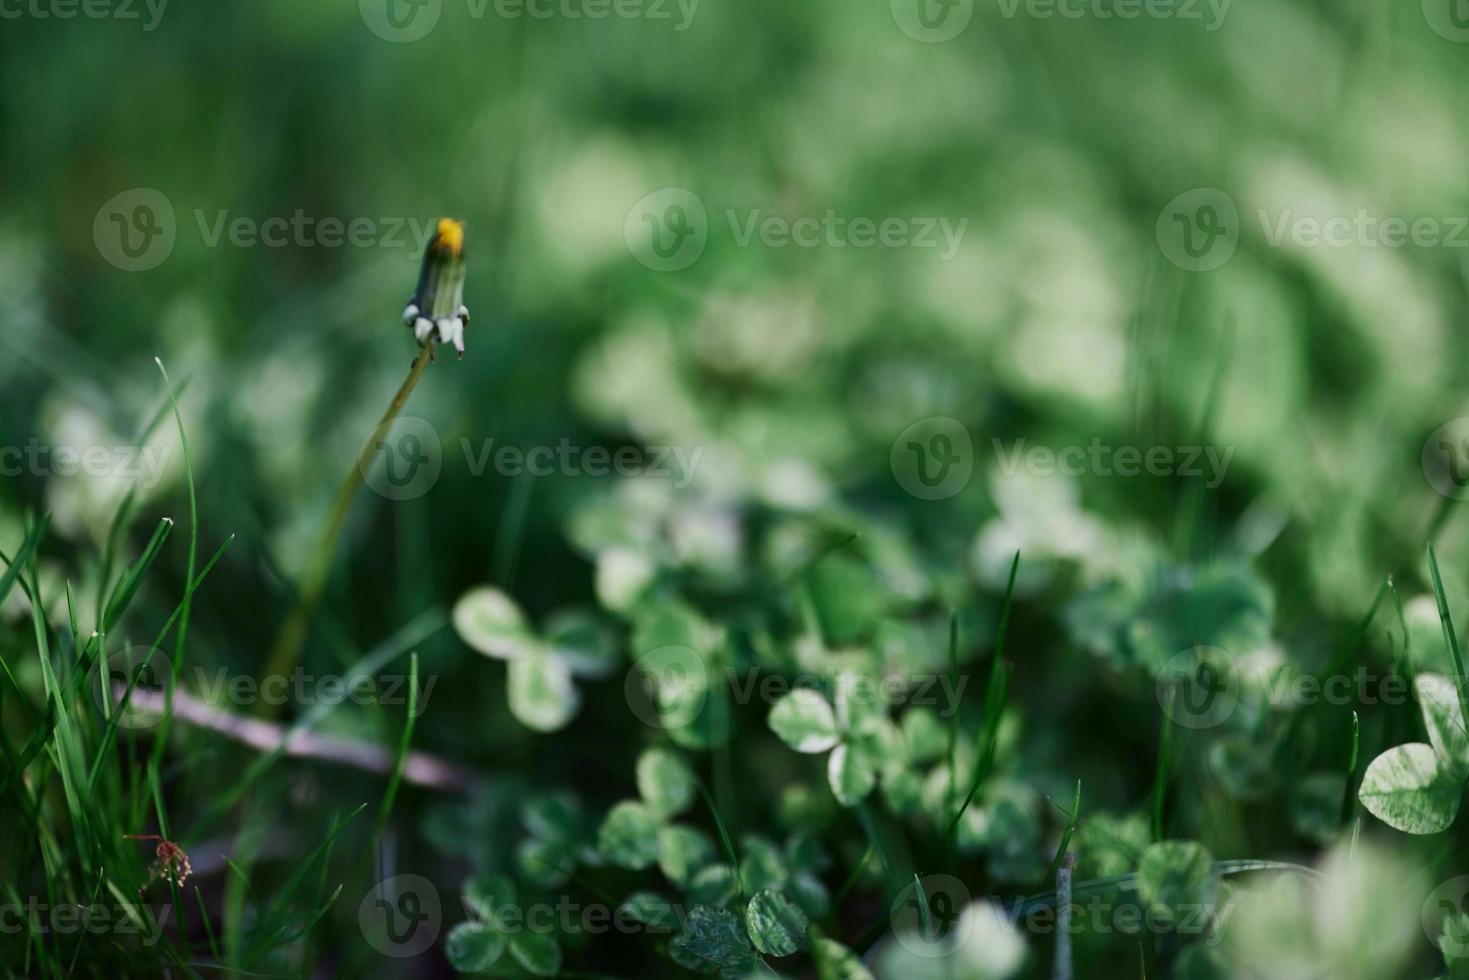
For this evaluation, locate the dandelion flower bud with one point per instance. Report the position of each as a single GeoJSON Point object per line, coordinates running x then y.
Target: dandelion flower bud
{"type": "Point", "coordinates": [436, 310]}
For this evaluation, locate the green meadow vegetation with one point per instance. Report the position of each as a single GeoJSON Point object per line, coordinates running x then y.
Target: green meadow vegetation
{"type": "Point", "coordinates": [932, 489]}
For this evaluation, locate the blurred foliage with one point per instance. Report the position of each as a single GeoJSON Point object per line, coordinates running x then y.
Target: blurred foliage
{"type": "Point", "coordinates": [788, 548]}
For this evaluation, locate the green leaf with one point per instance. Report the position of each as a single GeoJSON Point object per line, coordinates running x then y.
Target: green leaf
{"type": "Point", "coordinates": [850, 774]}
{"type": "Point", "coordinates": [1177, 879]}
{"type": "Point", "coordinates": [861, 706]}
{"type": "Point", "coordinates": [490, 622]}
{"type": "Point", "coordinates": [542, 695]}
{"type": "Point", "coordinates": [683, 852]}
{"type": "Point", "coordinates": [1406, 789]}
{"type": "Point", "coordinates": [538, 952]}
{"type": "Point", "coordinates": [622, 578]}
{"type": "Point", "coordinates": [1438, 699]}
{"type": "Point", "coordinates": [809, 894]}
{"type": "Point", "coordinates": [714, 936]}
{"type": "Point", "coordinates": [835, 961]}
{"type": "Point", "coordinates": [1453, 940]}
{"type": "Point", "coordinates": [473, 947]}
{"type": "Point", "coordinates": [652, 910]}
{"type": "Point", "coordinates": [552, 816]}
{"type": "Point", "coordinates": [628, 837]}
{"type": "Point", "coordinates": [485, 894]}
{"type": "Point", "coordinates": [902, 788]}
{"type": "Point", "coordinates": [581, 640]}
{"type": "Point", "coordinates": [849, 599]}
{"type": "Point", "coordinates": [1178, 607]}
{"type": "Point", "coordinates": [1112, 845]}
{"type": "Point", "coordinates": [665, 782]}
{"type": "Point", "coordinates": [776, 926]}
{"type": "Point", "coordinates": [805, 721]}
{"type": "Point", "coordinates": [545, 863]}
{"type": "Point", "coordinates": [761, 863]}
{"type": "Point", "coordinates": [715, 885]}
{"type": "Point", "coordinates": [924, 737]}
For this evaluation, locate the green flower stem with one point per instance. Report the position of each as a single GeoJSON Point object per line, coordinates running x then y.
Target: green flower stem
{"type": "Point", "coordinates": [286, 652]}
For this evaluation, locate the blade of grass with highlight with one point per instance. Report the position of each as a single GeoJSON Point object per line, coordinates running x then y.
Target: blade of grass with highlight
{"type": "Point", "coordinates": [1350, 796]}
{"type": "Point", "coordinates": [67, 751]}
{"type": "Point", "coordinates": [1450, 639]}
{"type": "Point", "coordinates": [851, 882]}
{"type": "Point", "coordinates": [127, 587]}
{"type": "Point", "coordinates": [109, 735]}
{"type": "Point", "coordinates": [181, 634]}
{"type": "Point", "coordinates": [995, 697]}
{"type": "Point", "coordinates": [1160, 776]}
{"type": "Point", "coordinates": [396, 779]}
{"type": "Point", "coordinates": [1067, 835]}
{"type": "Point", "coordinates": [124, 512]}
{"type": "Point", "coordinates": [953, 711]}
{"type": "Point", "coordinates": [724, 838]}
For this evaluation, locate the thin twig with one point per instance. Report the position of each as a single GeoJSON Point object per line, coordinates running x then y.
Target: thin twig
{"type": "Point", "coordinates": [419, 768]}
{"type": "Point", "coordinates": [1062, 968]}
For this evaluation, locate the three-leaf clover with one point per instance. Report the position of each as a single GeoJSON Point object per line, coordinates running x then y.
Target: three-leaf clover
{"type": "Point", "coordinates": [558, 839]}
{"type": "Point", "coordinates": [542, 667]}
{"type": "Point", "coordinates": [477, 945]}
{"type": "Point", "coordinates": [635, 833]}
{"type": "Point", "coordinates": [857, 732]}
{"type": "Point", "coordinates": [1416, 788]}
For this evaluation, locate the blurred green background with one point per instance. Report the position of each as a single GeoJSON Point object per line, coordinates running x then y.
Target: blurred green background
{"type": "Point", "coordinates": [1057, 143]}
